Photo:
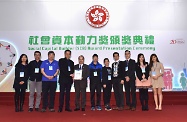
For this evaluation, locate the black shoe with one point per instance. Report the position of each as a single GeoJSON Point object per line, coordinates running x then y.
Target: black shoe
{"type": "Point", "coordinates": [83, 109]}
{"type": "Point", "coordinates": [60, 110]}
{"type": "Point", "coordinates": [43, 110]}
{"type": "Point", "coordinates": [21, 109]}
{"type": "Point", "coordinates": [147, 108]}
{"type": "Point", "coordinates": [133, 109]}
{"type": "Point", "coordinates": [37, 109]}
{"type": "Point", "coordinates": [30, 109]}
{"type": "Point", "coordinates": [52, 110]}
{"type": "Point", "coordinates": [76, 109]}
{"type": "Point", "coordinates": [16, 110]}
{"type": "Point", "coordinates": [68, 109]}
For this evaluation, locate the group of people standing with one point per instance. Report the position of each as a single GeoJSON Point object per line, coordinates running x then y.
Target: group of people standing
{"type": "Point", "coordinates": [128, 74]}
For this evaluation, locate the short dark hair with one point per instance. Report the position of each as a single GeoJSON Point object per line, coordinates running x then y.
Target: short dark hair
{"type": "Point", "coordinates": [81, 56]}
{"type": "Point", "coordinates": [67, 51]}
{"type": "Point", "coordinates": [37, 52]}
{"type": "Point", "coordinates": [115, 53]}
{"type": "Point", "coordinates": [105, 60]}
{"type": "Point", "coordinates": [95, 55]}
{"type": "Point", "coordinates": [51, 52]}
{"type": "Point", "coordinates": [127, 51]}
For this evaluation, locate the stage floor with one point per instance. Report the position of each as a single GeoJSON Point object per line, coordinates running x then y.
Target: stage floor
{"type": "Point", "coordinates": [170, 113]}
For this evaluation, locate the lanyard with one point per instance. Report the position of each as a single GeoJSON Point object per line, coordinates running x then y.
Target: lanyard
{"type": "Point", "coordinates": [36, 63]}
{"type": "Point", "coordinates": [95, 67]}
{"type": "Point", "coordinates": [51, 62]}
{"type": "Point", "coordinates": [22, 68]}
{"type": "Point", "coordinates": [68, 62]}
{"type": "Point", "coordinates": [155, 67]}
{"type": "Point", "coordinates": [127, 62]}
{"type": "Point", "coordinates": [116, 64]}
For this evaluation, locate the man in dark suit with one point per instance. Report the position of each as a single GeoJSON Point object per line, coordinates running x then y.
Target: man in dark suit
{"type": "Point", "coordinates": [80, 85]}
{"type": "Point", "coordinates": [129, 81]}
{"type": "Point", "coordinates": [118, 81]}
{"type": "Point", "coordinates": [66, 67]}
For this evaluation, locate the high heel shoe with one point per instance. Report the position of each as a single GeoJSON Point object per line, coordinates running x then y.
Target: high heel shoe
{"type": "Point", "coordinates": [156, 109]}
{"type": "Point", "coordinates": [160, 108]}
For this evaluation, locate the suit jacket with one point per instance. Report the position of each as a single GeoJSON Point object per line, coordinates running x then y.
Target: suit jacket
{"type": "Point", "coordinates": [131, 69]}
{"type": "Point", "coordinates": [64, 73]}
{"type": "Point", "coordinates": [85, 75]}
{"type": "Point", "coordinates": [139, 73]}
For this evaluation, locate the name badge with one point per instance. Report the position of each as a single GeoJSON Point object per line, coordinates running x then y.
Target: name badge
{"type": "Point", "coordinates": [109, 77]}
{"type": "Point", "coordinates": [36, 70]}
{"type": "Point", "coordinates": [21, 74]}
{"type": "Point", "coordinates": [143, 69]}
{"type": "Point", "coordinates": [50, 67]}
{"type": "Point", "coordinates": [153, 73]}
{"type": "Point", "coordinates": [69, 68]}
{"type": "Point", "coordinates": [126, 68]}
{"type": "Point", "coordinates": [95, 73]}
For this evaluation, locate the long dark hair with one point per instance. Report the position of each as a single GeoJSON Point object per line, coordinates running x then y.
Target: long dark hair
{"type": "Point", "coordinates": [151, 62]}
{"type": "Point", "coordinates": [20, 59]}
{"type": "Point", "coordinates": [138, 59]}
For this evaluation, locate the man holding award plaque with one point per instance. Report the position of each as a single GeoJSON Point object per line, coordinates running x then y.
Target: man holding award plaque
{"type": "Point", "coordinates": [81, 74]}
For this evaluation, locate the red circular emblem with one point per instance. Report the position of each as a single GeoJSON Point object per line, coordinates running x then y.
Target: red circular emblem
{"type": "Point", "coordinates": [97, 16]}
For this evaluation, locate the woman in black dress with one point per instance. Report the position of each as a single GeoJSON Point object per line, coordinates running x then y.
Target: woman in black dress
{"type": "Point", "coordinates": [20, 82]}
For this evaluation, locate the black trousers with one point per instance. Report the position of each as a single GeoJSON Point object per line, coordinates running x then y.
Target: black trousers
{"type": "Point", "coordinates": [130, 90]}
{"type": "Point", "coordinates": [95, 86]}
{"type": "Point", "coordinates": [80, 90]}
{"type": "Point", "coordinates": [65, 88]}
{"type": "Point", "coordinates": [19, 97]}
{"type": "Point", "coordinates": [118, 92]}
{"type": "Point", "coordinates": [48, 89]}
{"type": "Point", "coordinates": [107, 93]}
{"type": "Point", "coordinates": [144, 97]}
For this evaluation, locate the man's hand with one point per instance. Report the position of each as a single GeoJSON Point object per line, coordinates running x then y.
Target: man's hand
{"type": "Point", "coordinates": [49, 77]}
{"type": "Point", "coordinates": [22, 82]}
{"type": "Point", "coordinates": [127, 78]}
{"type": "Point", "coordinates": [122, 81]}
{"type": "Point", "coordinates": [72, 75]}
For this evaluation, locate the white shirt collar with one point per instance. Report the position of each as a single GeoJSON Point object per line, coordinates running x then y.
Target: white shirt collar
{"type": "Point", "coordinates": [117, 61]}
{"type": "Point", "coordinates": [80, 64]}
{"type": "Point", "coordinates": [128, 59]}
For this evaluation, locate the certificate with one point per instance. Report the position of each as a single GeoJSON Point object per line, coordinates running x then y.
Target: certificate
{"type": "Point", "coordinates": [78, 75]}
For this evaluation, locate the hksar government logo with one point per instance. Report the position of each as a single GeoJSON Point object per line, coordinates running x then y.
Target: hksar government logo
{"type": "Point", "coordinates": [97, 16]}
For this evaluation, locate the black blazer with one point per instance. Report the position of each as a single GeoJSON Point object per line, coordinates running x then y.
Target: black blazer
{"type": "Point", "coordinates": [32, 75]}
{"type": "Point", "coordinates": [120, 70]}
{"type": "Point", "coordinates": [131, 69]}
{"type": "Point", "coordinates": [21, 68]}
{"type": "Point", "coordinates": [64, 76]}
{"type": "Point", "coordinates": [139, 71]}
{"type": "Point", "coordinates": [85, 74]}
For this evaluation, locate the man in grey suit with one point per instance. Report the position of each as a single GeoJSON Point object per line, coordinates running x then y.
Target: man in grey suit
{"type": "Point", "coordinates": [80, 85]}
